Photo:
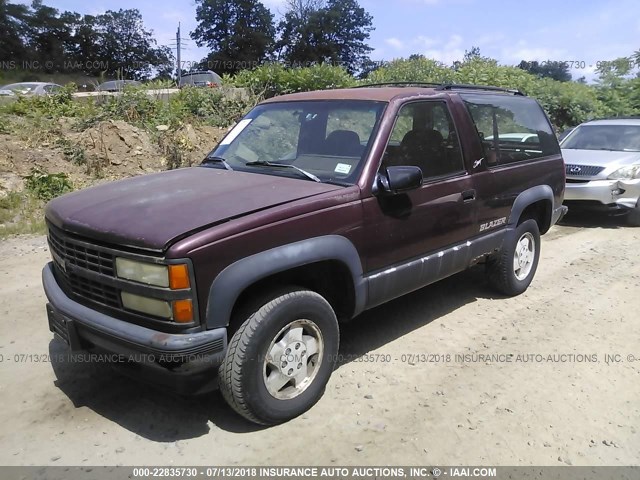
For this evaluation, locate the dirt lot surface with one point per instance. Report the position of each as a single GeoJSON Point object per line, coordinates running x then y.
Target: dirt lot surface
{"type": "Point", "coordinates": [570, 405]}
{"type": "Point", "coordinates": [110, 150]}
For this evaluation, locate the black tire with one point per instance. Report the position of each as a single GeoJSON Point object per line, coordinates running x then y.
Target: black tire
{"type": "Point", "coordinates": [633, 217]}
{"type": "Point", "coordinates": [501, 271]}
{"type": "Point", "coordinates": [242, 375]}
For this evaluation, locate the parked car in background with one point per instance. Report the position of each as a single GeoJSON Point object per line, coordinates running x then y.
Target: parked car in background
{"type": "Point", "coordinates": [603, 167]}
{"type": "Point", "coordinates": [205, 78]}
{"type": "Point", "coordinates": [525, 137]}
{"type": "Point", "coordinates": [562, 135]}
{"type": "Point", "coordinates": [30, 88]}
{"type": "Point", "coordinates": [117, 85]}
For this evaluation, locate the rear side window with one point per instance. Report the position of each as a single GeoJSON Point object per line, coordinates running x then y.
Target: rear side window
{"type": "Point", "coordinates": [511, 128]}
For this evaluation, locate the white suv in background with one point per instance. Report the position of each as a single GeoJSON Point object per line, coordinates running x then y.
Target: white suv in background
{"type": "Point", "coordinates": [602, 160]}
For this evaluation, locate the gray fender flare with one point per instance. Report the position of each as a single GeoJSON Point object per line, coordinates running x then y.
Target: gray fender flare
{"type": "Point", "coordinates": [526, 198]}
{"type": "Point", "coordinates": [229, 284]}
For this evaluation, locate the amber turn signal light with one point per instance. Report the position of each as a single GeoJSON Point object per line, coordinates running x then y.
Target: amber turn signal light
{"type": "Point", "coordinates": [178, 276]}
{"type": "Point", "coordinates": [183, 311]}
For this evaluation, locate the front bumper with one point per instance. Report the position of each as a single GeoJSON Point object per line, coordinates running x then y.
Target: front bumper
{"type": "Point", "coordinates": [181, 361]}
{"type": "Point", "coordinates": [617, 194]}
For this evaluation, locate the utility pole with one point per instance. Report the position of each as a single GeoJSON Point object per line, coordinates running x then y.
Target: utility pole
{"type": "Point", "coordinates": [179, 45]}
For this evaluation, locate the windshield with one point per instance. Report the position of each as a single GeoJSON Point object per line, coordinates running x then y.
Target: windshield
{"type": "Point", "coordinates": [604, 137]}
{"type": "Point", "coordinates": [199, 78]}
{"type": "Point", "coordinates": [327, 139]}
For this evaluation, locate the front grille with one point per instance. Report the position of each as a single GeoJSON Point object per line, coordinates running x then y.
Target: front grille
{"type": "Point", "coordinates": [94, 291]}
{"type": "Point", "coordinates": [577, 180]}
{"type": "Point", "coordinates": [583, 170]}
{"type": "Point", "coordinates": [78, 253]}
{"type": "Point", "coordinates": [70, 253]}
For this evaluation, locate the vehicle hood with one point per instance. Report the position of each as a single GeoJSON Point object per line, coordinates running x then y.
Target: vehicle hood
{"type": "Point", "coordinates": [152, 211]}
{"type": "Point", "coordinates": [600, 158]}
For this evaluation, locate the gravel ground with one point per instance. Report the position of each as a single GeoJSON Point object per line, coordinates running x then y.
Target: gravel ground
{"type": "Point", "coordinates": [455, 375]}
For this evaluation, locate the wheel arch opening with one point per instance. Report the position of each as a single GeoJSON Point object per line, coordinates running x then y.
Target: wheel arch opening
{"type": "Point", "coordinates": [330, 278]}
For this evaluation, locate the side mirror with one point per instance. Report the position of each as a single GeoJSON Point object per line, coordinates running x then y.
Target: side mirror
{"type": "Point", "coordinates": [398, 180]}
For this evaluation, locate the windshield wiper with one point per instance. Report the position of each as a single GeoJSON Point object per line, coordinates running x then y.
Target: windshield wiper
{"type": "Point", "coordinates": [263, 163]}
{"type": "Point", "coordinates": [220, 160]}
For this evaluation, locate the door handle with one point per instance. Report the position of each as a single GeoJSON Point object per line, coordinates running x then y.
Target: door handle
{"type": "Point", "coordinates": [468, 195]}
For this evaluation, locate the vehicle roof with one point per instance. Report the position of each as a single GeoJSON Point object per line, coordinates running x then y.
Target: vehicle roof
{"type": "Point", "coordinates": [119, 81]}
{"type": "Point", "coordinates": [199, 72]}
{"type": "Point", "coordinates": [615, 121]}
{"type": "Point", "coordinates": [30, 83]}
{"type": "Point", "coordinates": [380, 94]}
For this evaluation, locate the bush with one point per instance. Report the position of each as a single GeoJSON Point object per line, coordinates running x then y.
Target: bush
{"type": "Point", "coordinates": [566, 103]}
{"type": "Point", "coordinates": [274, 79]}
{"type": "Point", "coordinates": [212, 106]}
{"type": "Point", "coordinates": [47, 186]}
{"type": "Point", "coordinates": [133, 105]}
{"type": "Point", "coordinates": [61, 104]}
{"type": "Point", "coordinates": [418, 69]}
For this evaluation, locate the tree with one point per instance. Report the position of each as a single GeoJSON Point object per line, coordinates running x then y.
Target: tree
{"type": "Point", "coordinates": [239, 33]}
{"type": "Point", "coordinates": [125, 48]}
{"type": "Point", "coordinates": [303, 9]}
{"type": "Point", "coordinates": [556, 70]}
{"type": "Point", "coordinates": [474, 57]}
{"type": "Point", "coordinates": [336, 33]}
{"type": "Point", "coordinates": [48, 35]}
{"type": "Point", "coordinates": [13, 18]}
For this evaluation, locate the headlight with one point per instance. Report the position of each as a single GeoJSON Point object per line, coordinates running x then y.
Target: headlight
{"type": "Point", "coordinates": [152, 306]}
{"type": "Point", "coordinates": [630, 172]}
{"type": "Point", "coordinates": [174, 276]}
{"type": "Point", "coordinates": [142, 272]}
{"type": "Point", "coordinates": [180, 311]}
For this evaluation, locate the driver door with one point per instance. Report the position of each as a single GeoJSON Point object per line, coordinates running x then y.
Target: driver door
{"type": "Point", "coordinates": [418, 237]}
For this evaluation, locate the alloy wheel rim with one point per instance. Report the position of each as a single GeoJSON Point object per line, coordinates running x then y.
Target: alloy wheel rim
{"type": "Point", "coordinates": [523, 256]}
{"type": "Point", "coordinates": [293, 359]}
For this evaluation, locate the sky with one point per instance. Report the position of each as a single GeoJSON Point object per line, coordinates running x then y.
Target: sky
{"type": "Point", "coordinates": [582, 32]}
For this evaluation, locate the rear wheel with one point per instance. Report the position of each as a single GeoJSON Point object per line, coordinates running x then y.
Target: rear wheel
{"type": "Point", "coordinates": [280, 359]}
{"type": "Point", "coordinates": [513, 269]}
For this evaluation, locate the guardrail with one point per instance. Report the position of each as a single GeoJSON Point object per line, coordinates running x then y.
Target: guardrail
{"type": "Point", "coordinates": [161, 94]}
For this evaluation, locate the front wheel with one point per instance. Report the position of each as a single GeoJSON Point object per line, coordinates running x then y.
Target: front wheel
{"type": "Point", "coordinates": [512, 271]}
{"type": "Point", "coordinates": [280, 359]}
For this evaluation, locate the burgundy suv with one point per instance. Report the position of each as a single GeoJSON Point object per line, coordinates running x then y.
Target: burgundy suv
{"type": "Point", "coordinates": [314, 208]}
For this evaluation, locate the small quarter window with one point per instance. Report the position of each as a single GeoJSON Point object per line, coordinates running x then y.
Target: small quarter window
{"type": "Point", "coordinates": [511, 128]}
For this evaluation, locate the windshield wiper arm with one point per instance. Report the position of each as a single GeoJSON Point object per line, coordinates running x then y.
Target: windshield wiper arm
{"type": "Point", "coordinates": [220, 160]}
{"type": "Point", "coordinates": [263, 163]}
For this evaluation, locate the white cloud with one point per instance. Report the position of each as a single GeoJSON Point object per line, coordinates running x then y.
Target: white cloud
{"type": "Point", "coordinates": [454, 42]}
{"type": "Point", "coordinates": [424, 42]}
{"type": "Point", "coordinates": [395, 43]}
{"type": "Point", "coordinates": [523, 52]}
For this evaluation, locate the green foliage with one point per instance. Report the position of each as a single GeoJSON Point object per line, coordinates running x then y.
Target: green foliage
{"type": "Point", "coordinates": [566, 103]}
{"type": "Point", "coordinates": [415, 69]}
{"type": "Point", "coordinates": [555, 70]}
{"type": "Point", "coordinates": [60, 104]}
{"type": "Point", "coordinates": [133, 105]}
{"type": "Point", "coordinates": [274, 79]}
{"type": "Point", "coordinates": [46, 41]}
{"type": "Point", "coordinates": [8, 206]}
{"type": "Point", "coordinates": [211, 106]}
{"type": "Point", "coordinates": [20, 213]}
{"type": "Point", "coordinates": [334, 32]}
{"type": "Point", "coordinates": [72, 152]}
{"type": "Point", "coordinates": [239, 33]}
{"type": "Point", "coordinates": [47, 186]}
